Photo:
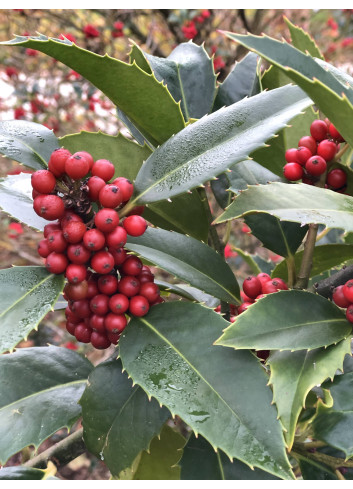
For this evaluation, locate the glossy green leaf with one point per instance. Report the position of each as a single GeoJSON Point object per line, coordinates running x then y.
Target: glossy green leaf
{"type": "Point", "coordinates": [302, 40]}
{"type": "Point", "coordinates": [241, 82]}
{"type": "Point", "coordinates": [332, 97]}
{"type": "Point", "coordinates": [21, 473]}
{"type": "Point", "coordinates": [139, 57]}
{"type": "Point", "coordinates": [27, 142]}
{"type": "Point", "coordinates": [312, 470]}
{"type": "Point", "coordinates": [287, 320]}
{"type": "Point", "coordinates": [188, 292]}
{"type": "Point", "coordinates": [188, 259]}
{"type": "Point", "coordinates": [146, 102]}
{"type": "Point", "coordinates": [39, 392]}
{"type": "Point", "coordinates": [200, 382]}
{"type": "Point", "coordinates": [294, 374]}
{"type": "Point", "coordinates": [201, 462]}
{"type": "Point", "coordinates": [334, 425]}
{"type": "Point", "coordinates": [135, 133]}
{"type": "Point", "coordinates": [213, 144]}
{"type": "Point", "coordinates": [281, 237]}
{"type": "Point", "coordinates": [220, 186]}
{"type": "Point", "coordinates": [340, 75]}
{"type": "Point", "coordinates": [119, 421]}
{"type": "Point", "coordinates": [16, 200]}
{"type": "Point", "coordinates": [250, 173]}
{"type": "Point", "coordinates": [27, 294]}
{"type": "Point", "coordinates": [126, 155]}
{"type": "Point", "coordinates": [160, 462]}
{"type": "Point", "coordinates": [294, 202]}
{"type": "Point", "coordinates": [325, 257]}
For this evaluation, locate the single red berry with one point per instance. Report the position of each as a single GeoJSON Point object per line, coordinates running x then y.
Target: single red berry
{"type": "Point", "coordinates": [316, 165]}
{"type": "Point", "coordinates": [77, 253]}
{"type": "Point", "coordinates": [119, 256]}
{"type": "Point", "coordinates": [261, 296]}
{"type": "Point", "coordinates": [327, 149]}
{"type": "Point", "coordinates": [43, 181]}
{"type": "Point", "coordinates": [115, 323]}
{"type": "Point", "coordinates": [114, 338]}
{"type": "Point", "coordinates": [145, 277]}
{"type": "Point", "coordinates": [76, 166]}
{"type": "Point", "coordinates": [274, 285]}
{"type": "Point", "coordinates": [96, 322]}
{"type": "Point", "coordinates": [335, 134]}
{"type": "Point", "coordinates": [118, 303]}
{"type": "Point", "coordinates": [74, 231]}
{"type": "Point", "coordinates": [76, 273]}
{"type": "Point", "coordinates": [100, 341]}
{"type": "Point", "coordinates": [108, 284]}
{"type": "Point", "coordinates": [87, 156]}
{"type": "Point", "coordinates": [129, 286]}
{"type": "Point", "coordinates": [70, 316]}
{"type": "Point", "coordinates": [125, 186]}
{"type": "Point", "coordinates": [56, 241]}
{"type": "Point", "coordinates": [70, 327]}
{"type": "Point", "coordinates": [339, 298]}
{"type": "Point", "coordinates": [132, 266]}
{"type": "Point", "coordinates": [102, 262]}
{"type": "Point", "coordinates": [263, 277]}
{"type": "Point", "coordinates": [83, 333]}
{"type": "Point", "coordinates": [349, 313]}
{"type": "Point", "coordinates": [95, 185]}
{"type": "Point", "coordinates": [103, 169]}
{"type": "Point", "coordinates": [139, 306]}
{"type": "Point", "coordinates": [106, 220]}
{"type": "Point", "coordinates": [245, 298]}
{"type": "Point", "coordinates": [57, 161]}
{"type": "Point", "coordinates": [99, 304]}
{"type": "Point", "coordinates": [336, 178]}
{"type": "Point", "coordinates": [263, 354]}
{"type": "Point", "coordinates": [53, 226]}
{"type": "Point", "coordinates": [50, 207]}
{"type": "Point", "coordinates": [94, 239]}
{"type": "Point", "coordinates": [348, 290]}
{"type": "Point", "coordinates": [69, 216]}
{"type": "Point", "coordinates": [92, 289]}
{"type": "Point", "coordinates": [309, 142]}
{"type": "Point", "coordinates": [56, 263]}
{"type": "Point", "coordinates": [43, 248]}
{"type": "Point", "coordinates": [243, 307]}
{"type": "Point", "coordinates": [76, 292]}
{"type": "Point", "coordinates": [319, 130]}
{"type": "Point", "coordinates": [291, 155]}
{"type": "Point", "coordinates": [293, 171]}
{"type": "Point", "coordinates": [117, 238]}
{"type": "Point", "coordinates": [135, 225]}
{"type": "Point", "coordinates": [252, 287]}
{"type": "Point", "coordinates": [303, 154]}
{"type": "Point", "coordinates": [110, 196]}
{"type": "Point", "coordinates": [150, 291]}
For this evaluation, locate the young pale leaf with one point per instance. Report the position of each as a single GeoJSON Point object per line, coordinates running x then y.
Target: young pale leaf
{"type": "Point", "coordinates": [333, 425]}
{"type": "Point", "coordinates": [325, 257]}
{"type": "Point", "coordinates": [333, 98]}
{"type": "Point", "coordinates": [146, 101]}
{"type": "Point", "coordinates": [201, 462]}
{"type": "Point", "coordinates": [213, 144]}
{"type": "Point", "coordinates": [299, 202]}
{"type": "Point", "coordinates": [16, 200]}
{"type": "Point", "coordinates": [302, 40]}
{"type": "Point", "coordinates": [128, 411]}
{"type": "Point", "coordinates": [287, 320]}
{"type": "Point", "coordinates": [39, 391]}
{"type": "Point", "coordinates": [27, 294]}
{"type": "Point", "coordinates": [189, 260]}
{"type": "Point", "coordinates": [241, 82]}
{"type": "Point", "coordinates": [27, 142]}
{"type": "Point", "coordinates": [294, 374]}
{"type": "Point", "coordinates": [170, 353]}
{"type": "Point", "coordinates": [160, 462]}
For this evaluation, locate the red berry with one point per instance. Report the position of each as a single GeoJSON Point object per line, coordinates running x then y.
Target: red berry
{"type": "Point", "coordinates": [115, 323]}
{"type": "Point", "coordinates": [135, 225]}
{"type": "Point", "coordinates": [309, 142]}
{"type": "Point", "coordinates": [303, 154]}
{"type": "Point", "coordinates": [335, 134]}
{"type": "Point", "coordinates": [76, 273]}
{"type": "Point", "coordinates": [94, 239]}
{"type": "Point", "coordinates": [349, 313]}
{"type": "Point", "coordinates": [319, 130]}
{"type": "Point", "coordinates": [119, 303]}
{"type": "Point", "coordinates": [139, 306]}
{"type": "Point", "coordinates": [74, 231]}
{"type": "Point", "coordinates": [293, 171]}
{"type": "Point", "coordinates": [106, 220]}
{"type": "Point", "coordinates": [50, 207]}
{"type": "Point", "coordinates": [76, 292]}
{"type": "Point", "coordinates": [83, 333]}
{"type": "Point", "coordinates": [274, 285]}
{"type": "Point", "coordinates": [78, 254]}
{"type": "Point", "coordinates": [43, 248]}
{"type": "Point", "coordinates": [336, 178]}
{"type": "Point", "coordinates": [76, 166]}
{"type": "Point", "coordinates": [43, 181]}
{"type": "Point", "coordinates": [110, 196]}
{"type": "Point", "coordinates": [119, 255]}
{"type": "Point", "coordinates": [81, 308]}
{"type": "Point", "coordinates": [108, 284]}
{"type": "Point", "coordinates": [102, 262]}
{"type": "Point", "coordinates": [150, 291]}
{"type": "Point", "coordinates": [87, 156]}
{"type": "Point", "coordinates": [291, 155]}
{"type": "Point", "coordinates": [95, 184]}
{"type": "Point", "coordinates": [137, 211]}
{"type": "Point", "coordinates": [252, 287]}
{"type": "Point", "coordinates": [114, 338]}
{"type": "Point", "coordinates": [99, 304]}
{"type": "Point", "coordinates": [245, 298]}
{"type": "Point", "coordinates": [100, 341]}
{"type": "Point", "coordinates": [92, 289]}
{"type": "Point", "coordinates": [56, 263]}
{"type": "Point", "coordinates": [125, 186]}
{"type": "Point", "coordinates": [145, 278]}
{"type": "Point", "coordinates": [129, 286]}
{"type": "Point", "coordinates": [71, 317]}
{"type": "Point", "coordinates": [117, 238]}
{"type": "Point", "coordinates": [53, 226]}
{"type": "Point", "coordinates": [327, 149]}
{"type": "Point", "coordinates": [263, 277]}
{"type": "Point", "coordinates": [132, 266]}
{"type": "Point", "coordinates": [103, 169]}
{"type": "Point", "coordinates": [56, 241]}
{"type": "Point", "coordinates": [68, 217]}
{"type": "Point", "coordinates": [71, 327]}
{"type": "Point", "coordinates": [316, 165]}
{"type": "Point", "coordinates": [243, 307]}
{"type": "Point", "coordinates": [57, 161]}
{"type": "Point", "coordinates": [348, 290]}
{"type": "Point", "coordinates": [339, 298]}
{"type": "Point", "coordinates": [96, 322]}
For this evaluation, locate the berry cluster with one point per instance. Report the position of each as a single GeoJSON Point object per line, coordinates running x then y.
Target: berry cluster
{"type": "Point", "coordinates": [343, 297]}
{"type": "Point", "coordinates": [310, 160]}
{"type": "Point", "coordinates": [104, 283]}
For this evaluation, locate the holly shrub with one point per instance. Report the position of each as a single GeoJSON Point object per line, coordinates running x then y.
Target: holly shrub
{"type": "Point", "coordinates": [221, 383]}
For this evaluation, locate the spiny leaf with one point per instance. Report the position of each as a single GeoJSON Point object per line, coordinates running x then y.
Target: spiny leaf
{"type": "Point", "coordinates": [302, 40]}
{"type": "Point", "coordinates": [189, 292]}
